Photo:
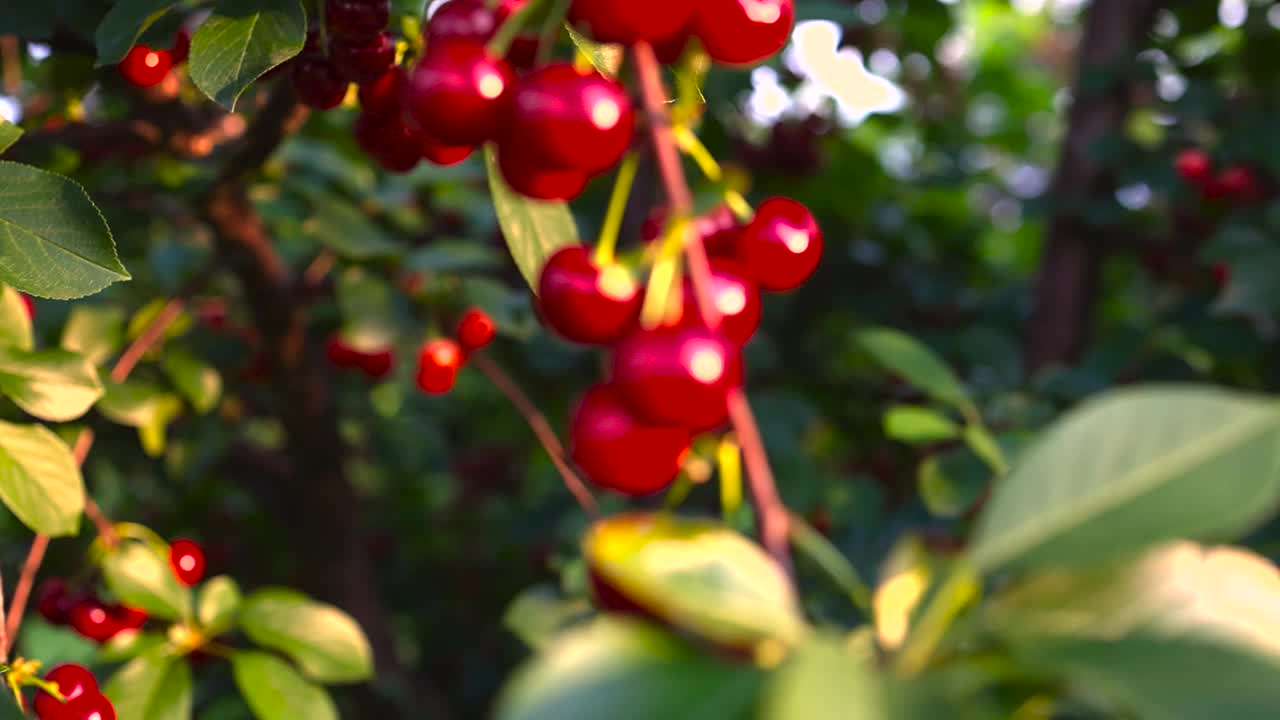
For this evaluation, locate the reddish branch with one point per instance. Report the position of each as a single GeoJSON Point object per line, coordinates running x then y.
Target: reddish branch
{"type": "Point", "coordinates": [772, 514]}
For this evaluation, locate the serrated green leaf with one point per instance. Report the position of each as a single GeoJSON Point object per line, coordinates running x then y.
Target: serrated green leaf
{"type": "Point", "coordinates": [15, 320]}
{"type": "Point", "coordinates": [140, 577]}
{"type": "Point", "coordinates": [325, 642]}
{"type": "Point", "coordinates": [275, 691]}
{"type": "Point", "coordinates": [196, 379]}
{"type": "Point", "coordinates": [219, 604]}
{"type": "Point", "coordinates": [903, 355]}
{"type": "Point", "coordinates": [95, 331]}
{"type": "Point", "coordinates": [56, 385]}
{"type": "Point", "coordinates": [123, 24]}
{"type": "Point", "coordinates": [241, 41]}
{"type": "Point", "coordinates": [9, 134]}
{"type": "Point", "coordinates": [152, 686]}
{"type": "Point", "coordinates": [40, 481]}
{"type": "Point", "coordinates": [533, 229]}
{"type": "Point", "coordinates": [54, 242]}
{"type": "Point", "coordinates": [912, 424]}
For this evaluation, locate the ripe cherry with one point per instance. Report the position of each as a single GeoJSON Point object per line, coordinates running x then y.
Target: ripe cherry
{"type": "Point", "coordinates": [186, 559]}
{"type": "Point", "coordinates": [377, 365]}
{"type": "Point", "coordinates": [365, 59]}
{"type": "Point", "coordinates": [72, 681]}
{"type": "Point", "coordinates": [55, 601]}
{"type": "Point", "coordinates": [144, 67]}
{"type": "Point", "coordinates": [618, 451]}
{"type": "Point", "coordinates": [458, 91]}
{"type": "Point", "coordinates": [94, 620]}
{"type": "Point", "coordinates": [670, 49]}
{"type": "Point", "coordinates": [780, 248]}
{"type": "Point", "coordinates": [537, 181]}
{"type": "Point", "coordinates": [389, 140]}
{"type": "Point", "coordinates": [356, 19]}
{"type": "Point", "coordinates": [128, 617]}
{"type": "Point", "coordinates": [718, 229]}
{"type": "Point", "coordinates": [462, 19]}
{"type": "Point", "coordinates": [438, 364]}
{"type": "Point", "coordinates": [340, 353]}
{"type": "Point", "coordinates": [567, 118]}
{"type": "Point", "coordinates": [627, 21]}
{"type": "Point", "coordinates": [742, 32]}
{"type": "Point", "coordinates": [90, 706]}
{"type": "Point", "coordinates": [441, 153]}
{"type": "Point", "coordinates": [678, 375]}
{"type": "Point", "coordinates": [1237, 182]}
{"type": "Point", "coordinates": [735, 296]}
{"type": "Point", "coordinates": [476, 330]}
{"type": "Point", "coordinates": [584, 302]}
{"type": "Point", "coordinates": [181, 47]}
{"type": "Point", "coordinates": [1194, 166]}
{"type": "Point", "coordinates": [382, 95]}
{"type": "Point", "coordinates": [318, 83]}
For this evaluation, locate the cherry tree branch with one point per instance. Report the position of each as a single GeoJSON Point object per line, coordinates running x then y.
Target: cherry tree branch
{"type": "Point", "coordinates": [773, 516]}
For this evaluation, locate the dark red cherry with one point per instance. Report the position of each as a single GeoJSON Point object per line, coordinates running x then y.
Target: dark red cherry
{"type": "Point", "coordinates": [585, 303]}
{"type": "Point", "coordinates": [540, 182]}
{"type": "Point", "coordinates": [440, 153]}
{"type": "Point", "coordinates": [628, 21]}
{"type": "Point", "coordinates": [186, 559]}
{"type": "Point", "coordinates": [389, 141]}
{"type": "Point", "coordinates": [90, 706]}
{"type": "Point", "coordinates": [1238, 182]}
{"type": "Point", "coordinates": [476, 330]}
{"type": "Point", "coordinates": [678, 375]}
{"type": "Point", "coordinates": [128, 617]}
{"type": "Point", "coordinates": [356, 19]}
{"type": "Point", "coordinates": [181, 47]}
{"type": "Point", "coordinates": [620, 452]}
{"type": "Point", "coordinates": [377, 365]}
{"type": "Point", "coordinates": [438, 365]}
{"type": "Point", "coordinates": [55, 601]}
{"type": "Point", "coordinates": [457, 93]}
{"type": "Point", "coordinates": [735, 297]}
{"type": "Point", "coordinates": [94, 620]}
{"type": "Point", "coordinates": [318, 83]}
{"type": "Point", "coordinates": [742, 32]}
{"type": "Point", "coordinates": [1194, 166]}
{"type": "Point", "coordinates": [144, 67]}
{"type": "Point", "coordinates": [72, 681]}
{"type": "Point", "coordinates": [340, 353]}
{"type": "Point", "coordinates": [567, 118]}
{"type": "Point", "coordinates": [671, 48]}
{"type": "Point", "coordinates": [365, 59]}
{"type": "Point", "coordinates": [781, 246]}
{"type": "Point", "coordinates": [462, 19]}
{"type": "Point", "coordinates": [382, 96]}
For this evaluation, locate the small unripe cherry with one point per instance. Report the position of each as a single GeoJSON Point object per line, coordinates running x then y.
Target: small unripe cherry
{"type": "Point", "coordinates": [616, 450]}
{"type": "Point", "coordinates": [144, 67]}
{"type": "Point", "coordinates": [458, 92]}
{"type": "Point", "coordinates": [1194, 166]}
{"type": "Point", "coordinates": [318, 83]}
{"type": "Point", "coordinates": [72, 681]}
{"type": "Point", "coordinates": [438, 365]}
{"type": "Point", "coordinates": [781, 247]}
{"type": "Point", "coordinates": [584, 302]}
{"type": "Point", "coordinates": [186, 559]}
{"type": "Point", "coordinates": [678, 375]}
{"type": "Point", "coordinates": [743, 32]}
{"type": "Point", "coordinates": [476, 330]}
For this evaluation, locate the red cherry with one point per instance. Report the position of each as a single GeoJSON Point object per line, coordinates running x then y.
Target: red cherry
{"type": "Point", "coordinates": [585, 303]}
{"type": "Point", "coordinates": [781, 247]}
{"type": "Point", "coordinates": [735, 297]}
{"type": "Point", "coordinates": [377, 365]}
{"type": "Point", "coordinates": [678, 375]}
{"type": "Point", "coordinates": [476, 330]}
{"type": "Point", "coordinates": [618, 451]}
{"type": "Point", "coordinates": [718, 229]}
{"type": "Point", "coordinates": [567, 118]}
{"type": "Point", "coordinates": [462, 19]}
{"type": "Point", "coordinates": [382, 96]}
{"type": "Point", "coordinates": [458, 92]}
{"type": "Point", "coordinates": [356, 19]}
{"type": "Point", "coordinates": [438, 364]}
{"type": "Point", "coordinates": [441, 153]}
{"type": "Point", "coordinates": [94, 620]}
{"type": "Point", "coordinates": [742, 32]}
{"type": "Point", "coordinates": [363, 60]}
{"type": "Point", "coordinates": [1237, 182]}
{"type": "Point", "coordinates": [90, 706]}
{"type": "Point", "coordinates": [29, 304]}
{"type": "Point", "coordinates": [55, 601]}
{"type": "Point", "coordinates": [318, 83]}
{"type": "Point", "coordinates": [538, 181]}
{"type": "Point", "coordinates": [628, 21]}
{"type": "Point", "coordinates": [389, 140]}
{"type": "Point", "coordinates": [1194, 166]}
{"type": "Point", "coordinates": [72, 681]}
{"type": "Point", "coordinates": [671, 48]}
{"type": "Point", "coordinates": [129, 618]}
{"type": "Point", "coordinates": [181, 47]}
{"type": "Point", "coordinates": [340, 353]}
{"type": "Point", "coordinates": [186, 559]}
{"type": "Point", "coordinates": [144, 67]}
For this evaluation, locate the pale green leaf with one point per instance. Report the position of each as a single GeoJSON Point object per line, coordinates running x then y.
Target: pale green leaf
{"type": "Point", "coordinates": [140, 577]}
{"type": "Point", "coordinates": [905, 356]}
{"type": "Point", "coordinates": [15, 320]}
{"type": "Point", "coordinates": [40, 480]}
{"type": "Point", "coordinates": [275, 691]}
{"type": "Point", "coordinates": [325, 642]}
{"type": "Point", "coordinates": [95, 331]}
{"type": "Point", "coordinates": [913, 424]}
{"type": "Point", "coordinates": [199, 381]}
{"type": "Point", "coordinates": [9, 134]}
{"type": "Point", "coordinates": [533, 229]}
{"type": "Point", "coordinates": [218, 604]}
{"type": "Point", "coordinates": [56, 385]}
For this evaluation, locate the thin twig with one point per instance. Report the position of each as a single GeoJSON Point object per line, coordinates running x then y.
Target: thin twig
{"type": "Point", "coordinates": [764, 491]}
{"type": "Point", "coordinates": [23, 591]}
{"type": "Point", "coordinates": [148, 339]}
{"type": "Point", "coordinates": [541, 429]}
{"type": "Point", "coordinates": [4, 630]}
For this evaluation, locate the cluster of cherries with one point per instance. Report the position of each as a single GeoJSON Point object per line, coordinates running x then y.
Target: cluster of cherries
{"type": "Point", "coordinates": [1236, 183]}
{"type": "Point", "coordinates": [439, 359]}
{"type": "Point", "coordinates": [671, 382]}
{"type": "Point", "coordinates": [375, 364]}
{"type": "Point", "coordinates": [81, 698]}
{"type": "Point", "coordinates": [144, 67]}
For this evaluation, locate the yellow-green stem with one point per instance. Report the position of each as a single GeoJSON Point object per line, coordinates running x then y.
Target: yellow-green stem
{"type": "Point", "coordinates": [729, 457]}
{"type": "Point", "coordinates": [690, 145]}
{"type": "Point", "coordinates": [608, 240]}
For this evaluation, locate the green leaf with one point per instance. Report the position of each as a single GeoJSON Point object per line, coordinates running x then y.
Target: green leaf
{"type": "Point", "coordinates": [981, 441]}
{"type": "Point", "coordinates": [539, 613]}
{"type": "Point", "coordinates": [605, 58]}
{"type": "Point", "coordinates": [95, 331]}
{"type": "Point", "coordinates": [533, 229]}
{"type": "Point", "coordinates": [338, 224]}
{"type": "Point", "coordinates": [626, 670]}
{"type": "Point", "coordinates": [325, 642]}
{"type": "Point", "coordinates": [140, 577]}
{"type": "Point", "coordinates": [905, 356]}
{"type": "Point", "coordinates": [142, 406]}
{"type": "Point", "coordinates": [123, 24]}
{"type": "Point", "coordinates": [1133, 468]}
{"type": "Point", "coordinates": [275, 691]}
{"type": "Point", "coordinates": [15, 321]}
{"type": "Point", "coordinates": [152, 686]}
{"type": "Point", "coordinates": [196, 379]}
{"type": "Point", "coordinates": [55, 385]}
{"type": "Point", "coordinates": [917, 425]}
{"type": "Point", "coordinates": [54, 242]}
{"type": "Point", "coordinates": [40, 481]}
{"type": "Point", "coordinates": [813, 545]}
{"type": "Point", "coordinates": [54, 644]}
{"type": "Point", "coordinates": [368, 310]}
{"type": "Point", "coordinates": [130, 644]}
{"type": "Point", "coordinates": [9, 134]}
{"type": "Point", "coordinates": [952, 481]}
{"type": "Point", "coordinates": [241, 41]}
{"type": "Point", "coordinates": [1183, 632]}
{"type": "Point", "coordinates": [218, 605]}
{"type": "Point", "coordinates": [698, 576]}
{"type": "Point", "coordinates": [448, 256]}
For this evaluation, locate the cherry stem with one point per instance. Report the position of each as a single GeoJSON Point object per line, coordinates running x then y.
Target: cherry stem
{"type": "Point", "coordinates": [23, 590]}
{"type": "Point", "coordinates": [693, 147]}
{"type": "Point", "coordinates": [4, 630]}
{"type": "Point", "coordinates": [541, 429]}
{"type": "Point", "coordinates": [772, 514]}
{"type": "Point", "coordinates": [609, 231]}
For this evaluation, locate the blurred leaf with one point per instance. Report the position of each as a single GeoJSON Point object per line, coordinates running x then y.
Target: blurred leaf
{"type": "Point", "coordinates": [697, 575]}
{"type": "Point", "coordinates": [54, 242]}
{"type": "Point", "coordinates": [151, 687]}
{"type": "Point", "coordinates": [55, 385]}
{"type": "Point", "coordinates": [539, 613]}
{"type": "Point", "coordinates": [453, 256]}
{"type": "Point", "coordinates": [606, 58]}
{"type": "Point", "coordinates": [9, 134]}
{"type": "Point", "coordinates": [147, 314]}
{"type": "Point", "coordinates": [219, 604]}
{"type": "Point", "coordinates": [368, 311]}
{"type": "Point", "coordinates": [343, 227]}
{"type": "Point", "coordinates": [1132, 468]}
{"type": "Point", "coordinates": [905, 356]}
{"type": "Point", "coordinates": [143, 406]}
{"type": "Point", "coordinates": [130, 644]}
{"type": "Point", "coordinates": [952, 481]}
{"type": "Point", "coordinates": [325, 642]}
{"type": "Point", "coordinates": [275, 691]}
{"type": "Point", "coordinates": [140, 577]}
{"type": "Point", "coordinates": [40, 480]}
{"type": "Point", "coordinates": [196, 379]}
{"type": "Point", "coordinates": [241, 41]}
{"type": "Point", "coordinates": [15, 321]}
{"type": "Point", "coordinates": [533, 229]}
{"type": "Point", "coordinates": [123, 24]}
{"type": "Point", "coordinates": [54, 645]}
{"type": "Point", "coordinates": [980, 440]}
{"type": "Point", "coordinates": [95, 331]}
{"type": "Point", "coordinates": [627, 670]}
{"type": "Point", "coordinates": [819, 549]}
{"type": "Point", "coordinates": [918, 425]}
